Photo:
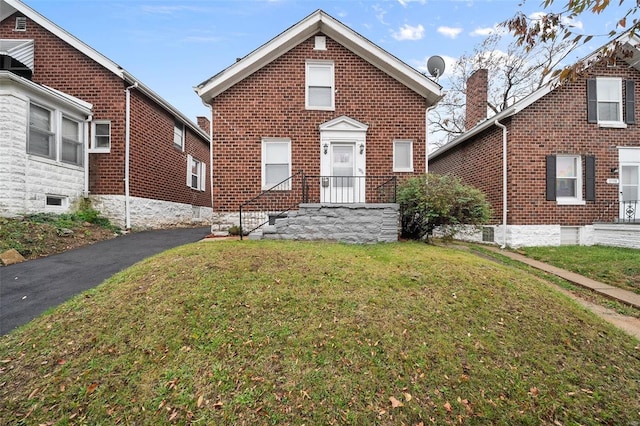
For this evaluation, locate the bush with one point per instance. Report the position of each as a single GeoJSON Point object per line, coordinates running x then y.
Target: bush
{"type": "Point", "coordinates": [430, 201]}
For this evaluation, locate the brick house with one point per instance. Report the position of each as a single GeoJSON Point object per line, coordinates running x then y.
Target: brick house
{"type": "Point", "coordinates": [561, 166]}
{"type": "Point", "coordinates": [317, 114]}
{"type": "Point", "coordinates": [75, 124]}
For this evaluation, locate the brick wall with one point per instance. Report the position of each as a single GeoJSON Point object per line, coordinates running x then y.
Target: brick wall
{"type": "Point", "coordinates": [555, 124]}
{"type": "Point", "coordinates": [476, 98]}
{"type": "Point", "coordinates": [157, 171]}
{"type": "Point", "coordinates": [271, 103]}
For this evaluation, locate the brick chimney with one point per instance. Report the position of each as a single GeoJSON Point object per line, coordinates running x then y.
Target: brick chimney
{"type": "Point", "coordinates": [477, 87]}
{"type": "Point", "coordinates": [204, 123]}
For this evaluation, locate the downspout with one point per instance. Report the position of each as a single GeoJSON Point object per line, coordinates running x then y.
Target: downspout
{"type": "Point", "coordinates": [504, 183]}
{"type": "Point", "coordinates": [210, 106]}
{"type": "Point", "coordinates": [127, 142]}
{"type": "Point", "coordinates": [85, 193]}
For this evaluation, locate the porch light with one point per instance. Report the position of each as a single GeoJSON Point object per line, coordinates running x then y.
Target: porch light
{"type": "Point", "coordinates": [326, 147]}
{"type": "Point", "coordinates": [361, 147]}
{"type": "Point", "coordinates": [614, 170]}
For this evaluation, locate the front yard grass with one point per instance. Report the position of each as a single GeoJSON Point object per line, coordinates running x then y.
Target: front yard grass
{"type": "Point", "coordinates": [319, 334]}
{"type": "Point", "coordinates": [615, 266]}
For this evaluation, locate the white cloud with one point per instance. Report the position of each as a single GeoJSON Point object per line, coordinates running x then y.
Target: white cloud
{"type": "Point", "coordinates": [406, 2]}
{"type": "Point", "coordinates": [483, 32]}
{"type": "Point", "coordinates": [450, 32]}
{"type": "Point", "coordinates": [571, 22]}
{"type": "Point", "coordinates": [407, 32]}
{"type": "Point", "coordinates": [380, 12]}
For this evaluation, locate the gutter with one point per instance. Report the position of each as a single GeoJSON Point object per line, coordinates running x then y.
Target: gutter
{"type": "Point", "coordinates": [426, 138]}
{"type": "Point", "coordinates": [127, 150]}
{"type": "Point", "coordinates": [504, 183]}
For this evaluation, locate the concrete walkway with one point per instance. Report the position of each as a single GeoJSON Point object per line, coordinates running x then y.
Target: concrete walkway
{"type": "Point", "coordinates": [624, 296]}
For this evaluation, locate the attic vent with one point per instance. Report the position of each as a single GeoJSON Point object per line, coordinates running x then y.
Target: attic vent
{"type": "Point", "coordinates": [21, 23]}
{"type": "Point", "coordinates": [321, 43]}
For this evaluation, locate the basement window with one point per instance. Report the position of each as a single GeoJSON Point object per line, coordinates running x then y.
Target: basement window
{"type": "Point", "coordinates": [56, 201]}
{"type": "Point", "coordinates": [488, 234]}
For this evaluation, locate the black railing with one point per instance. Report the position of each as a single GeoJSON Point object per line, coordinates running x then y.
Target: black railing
{"type": "Point", "coordinates": [270, 204]}
{"type": "Point", "coordinates": [629, 211]}
{"type": "Point", "coordinates": [284, 197]}
{"type": "Point", "coordinates": [349, 189]}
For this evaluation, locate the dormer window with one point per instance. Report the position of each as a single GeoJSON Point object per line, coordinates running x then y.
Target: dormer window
{"type": "Point", "coordinates": [21, 23]}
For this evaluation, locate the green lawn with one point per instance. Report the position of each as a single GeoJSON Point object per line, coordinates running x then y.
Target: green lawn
{"type": "Point", "coordinates": [615, 266]}
{"type": "Point", "coordinates": [319, 334]}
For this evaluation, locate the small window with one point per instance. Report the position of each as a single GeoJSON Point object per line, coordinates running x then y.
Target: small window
{"type": "Point", "coordinates": [178, 136]}
{"type": "Point", "coordinates": [276, 164]}
{"type": "Point", "coordinates": [609, 93]}
{"type": "Point", "coordinates": [21, 23]}
{"type": "Point", "coordinates": [101, 136]}
{"type": "Point", "coordinates": [402, 156]}
{"type": "Point", "coordinates": [72, 152]}
{"type": "Point", "coordinates": [568, 177]}
{"type": "Point", "coordinates": [195, 173]}
{"type": "Point", "coordinates": [319, 86]}
{"type": "Point", "coordinates": [56, 201]}
{"type": "Point", "coordinates": [41, 137]}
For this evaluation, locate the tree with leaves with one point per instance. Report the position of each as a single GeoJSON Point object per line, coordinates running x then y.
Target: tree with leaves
{"type": "Point", "coordinates": [531, 31]}
{"type": "Point", "coordinates": [514, 72]}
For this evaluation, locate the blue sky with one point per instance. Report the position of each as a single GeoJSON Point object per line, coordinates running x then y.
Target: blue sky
{"type": "Point", "coordinates": [173, 45]}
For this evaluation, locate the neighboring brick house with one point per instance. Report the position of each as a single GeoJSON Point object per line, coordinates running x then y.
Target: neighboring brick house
{"type": "Point", "coordinates": [79, 125]}
{"type": "Point", "coordinates": [318, 99]}
{"type": "Point", "coordinates": [572, 160]}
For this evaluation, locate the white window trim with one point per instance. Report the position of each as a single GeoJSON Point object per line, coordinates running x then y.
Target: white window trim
{"type": "Point", "coordinates": [181, 128]}
{"type": "Point", "coordinates": [79, 141]}
{"type": "Point", "coordinates": [577, 200]}
{"type": "Point", "coordinates": [619, 124]}
{"type": "Point", "coordinates": [403, 169]}
{"type": "Point", "coordinates": [56, 129]}
{"type": "Point", "coordinates": [263, 184]}
{"type": "Point", "coordinates": [330, 65]}
{"type": "Point", "coordinates": [92, 146]}
{"type": "Point", "coordinates": [201, 173]}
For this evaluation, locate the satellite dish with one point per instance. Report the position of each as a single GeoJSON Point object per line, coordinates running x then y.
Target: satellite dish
{"type": "Point", "coordinates": [435, 65]}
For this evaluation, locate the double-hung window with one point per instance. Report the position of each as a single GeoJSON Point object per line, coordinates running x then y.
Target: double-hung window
{"type": "Point", "coordinates": [606, 104]}
{"type": "Point", "coordinates": [195, 173]}
{"type": "Point", "coordinates": [100, 136]}
{"type": "Point", "coordinates": [319, 92]}
{"type": "Point", "coordinates": [42, 138]}
{"type": "Point", "coordinates": [276, 163]}
{"type": "Point", "coordinates": [71, 152]}
{"type": "Point", "coordinates": [402, 156]}
{"type": "Point", "coordinates": [566, 180]}
{"type": "Point", "coordinates": [178, 136]}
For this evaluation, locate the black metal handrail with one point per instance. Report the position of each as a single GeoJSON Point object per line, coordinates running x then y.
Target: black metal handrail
{"type": "Point", "coordinates": [271, 203]}
{"type": "Point", "coordinates": [349, 189]}
{"type": "Point", "coordinates": [629, 211]}
{"type": "Point", "coordinates": [619, 212]}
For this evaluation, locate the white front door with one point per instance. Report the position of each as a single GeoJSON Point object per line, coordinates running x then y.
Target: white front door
{"type": "Point", "coordinates": [343, 184]}
{"type": "Point", "coordinates": [343, 159]}
{"type": "Point", "coordinates": [629, 183]}
{"type": "Point", "coordinates": [629, 191]}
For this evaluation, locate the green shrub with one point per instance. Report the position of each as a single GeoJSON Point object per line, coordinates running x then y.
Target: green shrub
{"type": "Point", "coordinates": [430, 201]}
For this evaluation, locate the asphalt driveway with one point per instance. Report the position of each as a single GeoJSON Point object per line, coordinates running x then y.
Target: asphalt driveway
{"type": "Point", "coordinates": [27, 289]}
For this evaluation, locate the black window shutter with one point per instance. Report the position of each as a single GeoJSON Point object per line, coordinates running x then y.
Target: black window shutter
{"type": "Point", "coordinates": [630, 102]}
{"type": "Point", "coordinates": [592, 101]}
{"type": "Point", "coordinates": [551, 177]}
{"type": "Point", "coordinates": [590, 178]}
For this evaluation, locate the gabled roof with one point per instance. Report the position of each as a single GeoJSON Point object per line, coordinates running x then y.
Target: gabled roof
{"type": "Point", "coordinates": [320, 22]}
{"type": "Point", "coordinates": [629, 43]}
{"type": "Point", "coordinates": [9, 7]}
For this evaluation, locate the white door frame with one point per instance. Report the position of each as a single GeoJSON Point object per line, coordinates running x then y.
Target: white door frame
{"type": "Point", "coordinates": [343, 131]}
{"type": "Point", "coordinates": [629, 158]}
